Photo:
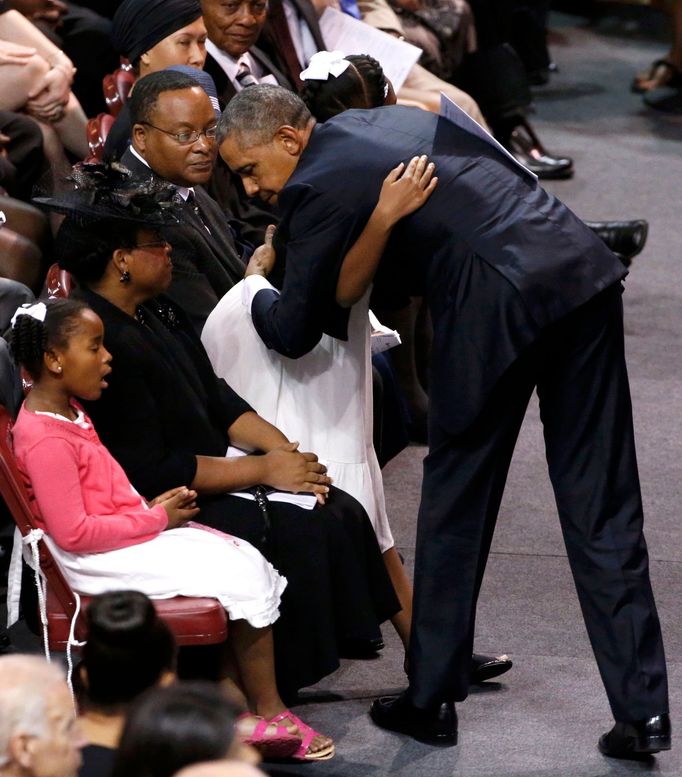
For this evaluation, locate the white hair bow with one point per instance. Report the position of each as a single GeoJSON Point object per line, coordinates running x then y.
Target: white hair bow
{"type": "Point", "coordinates": [36, 310]}
{"type": "Point", "coordinates": [325, 64]}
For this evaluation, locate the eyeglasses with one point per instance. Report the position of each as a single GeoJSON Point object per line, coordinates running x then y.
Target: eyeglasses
{"type": "Point", "coordinates": [257, 7]}
{"type": "Point", "coordinates": [189, 137]}
{"type": "Point", "coordinates": [153, 244]}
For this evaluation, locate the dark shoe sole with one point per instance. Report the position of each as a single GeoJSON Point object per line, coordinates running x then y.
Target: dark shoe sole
{"type": "Point", "coordinates": [490, 671]}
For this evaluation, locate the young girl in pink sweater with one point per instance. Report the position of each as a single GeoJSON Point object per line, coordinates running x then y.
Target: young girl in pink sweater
{"type": "Point", "coordinates": [106, 537]}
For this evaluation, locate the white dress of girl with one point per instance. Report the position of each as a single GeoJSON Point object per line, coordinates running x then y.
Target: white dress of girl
{"type": "Point", "coordinates": [323, 399]}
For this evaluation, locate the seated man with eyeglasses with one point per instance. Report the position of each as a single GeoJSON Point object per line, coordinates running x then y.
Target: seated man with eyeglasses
{"type": "Point", "coordinates": [173, 139]}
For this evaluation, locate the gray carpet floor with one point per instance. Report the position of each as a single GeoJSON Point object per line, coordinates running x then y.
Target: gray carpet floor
{"type": "Point", "coordinates": [543, 720]}
{"type": "Point", "coordinates": [545, 716]}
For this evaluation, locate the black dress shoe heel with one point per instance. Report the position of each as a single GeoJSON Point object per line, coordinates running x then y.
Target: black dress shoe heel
{"type": "Point", "coordinates": [637, 739]}
{"type": "Point", "coordinates": [434, 726]}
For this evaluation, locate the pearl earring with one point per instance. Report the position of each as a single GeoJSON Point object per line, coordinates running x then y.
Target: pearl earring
{"type": "Point", "coordinates": [125, 277]}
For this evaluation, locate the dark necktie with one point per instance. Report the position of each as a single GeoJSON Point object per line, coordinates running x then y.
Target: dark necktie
{"type": "Point", "coordinates": [245, 77]}
{"type": "Point", "coordinates": [277, 20]}
{"type": "Point", "coordinates": [194, 205]}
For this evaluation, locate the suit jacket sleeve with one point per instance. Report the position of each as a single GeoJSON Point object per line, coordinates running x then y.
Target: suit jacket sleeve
{"type": "Point", "coordinates": [317, 232]}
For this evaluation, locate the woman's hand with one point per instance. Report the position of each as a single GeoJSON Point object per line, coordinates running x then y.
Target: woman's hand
{"type": "Point", "coordinates": [405, 189]}
{"type": "Point", "coordinates": [287, 469]}
{"type": "Point", "coordinates": [263, 258]}
{"type": "Point", "coordinates": [14, 54]}
{"type": "Point", "coordinates": [179, 504]}
{"type": "Point", "coordinates": [49, 97]}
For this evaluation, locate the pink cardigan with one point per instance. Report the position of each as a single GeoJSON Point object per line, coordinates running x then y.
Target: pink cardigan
{"type": "Point", "coordinates": [79, 493]}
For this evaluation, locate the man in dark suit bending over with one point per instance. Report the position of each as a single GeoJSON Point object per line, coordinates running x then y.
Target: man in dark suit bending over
{"type": "Point", "coordinates": [522, 295]}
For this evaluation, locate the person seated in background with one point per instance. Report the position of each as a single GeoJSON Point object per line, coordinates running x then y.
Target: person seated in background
{"type": "Point", "coordinates": [154, 35]}
{"type": "Point", "coordinates": [175, 727]}
{"type": "Point", "coordinates": [292, 20]}
{"type": "Point", "coordinates": [36, 77]}
{"type": "Point", "coordinates": [38, 732]}
{"type": "Point", "coordinates": [174, 141]}
{"type": "Point", "coordinates": [104, 536]}
{"type": "Point", "coordinates": [83, 34]}
{"type": "Point", "coordinates": [129, 650]}
{"type": "Point", "coordinates": [661, 84]}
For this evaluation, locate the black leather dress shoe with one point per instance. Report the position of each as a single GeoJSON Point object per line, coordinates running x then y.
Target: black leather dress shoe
{"type": "Point", "coordinates": [525, 147]}
{"type": "Point", "coordinates": [638, 739]}
{"type": "Point", "coordinates": [437, 726]}
{"type": "Point", "coordinates": [486, 667]}
{"type": "Point", "coordinates": [625, 238]}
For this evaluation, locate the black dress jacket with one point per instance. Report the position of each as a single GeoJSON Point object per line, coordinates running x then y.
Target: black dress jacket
{"type": "Point", "coordinates": [207, 260]}
{"type": "Point", "coordinates": [498, 257]}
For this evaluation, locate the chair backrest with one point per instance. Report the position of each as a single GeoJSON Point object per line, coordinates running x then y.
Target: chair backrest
{"type": "Point", "coordinates": [116, 87]}
{"type": "Point", "coordinates": [97, 130]}
{"type": "Point", "coordinates": [13, 491]}
{"type": "Point", "coordinates": [58, 282]}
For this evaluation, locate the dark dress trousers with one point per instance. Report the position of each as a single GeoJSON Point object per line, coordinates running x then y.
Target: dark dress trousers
{"type": "Point", "coordinates": [207, 261]}
{"type": "Point", "coordinates": [522, 295]}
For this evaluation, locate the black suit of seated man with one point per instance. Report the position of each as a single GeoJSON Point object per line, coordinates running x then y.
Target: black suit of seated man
{"type": "Point", "coordinates": [522, 296]}
{"type": "Point", "coordinates": [207, 259]}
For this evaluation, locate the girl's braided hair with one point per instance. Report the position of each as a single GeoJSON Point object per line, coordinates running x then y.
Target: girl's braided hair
{"type": "Point", "coordinates": [362, 85]}
{"type": "Point", "coordinates": [31, 338]}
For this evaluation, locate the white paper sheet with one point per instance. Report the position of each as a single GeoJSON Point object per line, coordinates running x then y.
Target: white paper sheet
{"type": "Point", "coordinates": [351, 36]}
{"type": "Point", "coordinates": [382, 337]}
{"type": "Point", "coordinates": [453, 113]}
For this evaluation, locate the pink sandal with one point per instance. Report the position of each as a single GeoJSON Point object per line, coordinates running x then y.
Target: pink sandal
{"type": "Point", "coordinates": [307, 734]}
{"type": "Point", "coordinates": [281, 744]}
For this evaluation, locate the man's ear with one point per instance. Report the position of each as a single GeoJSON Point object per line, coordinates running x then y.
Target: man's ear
{"type": "Point", "coordinates": [291, 139]}
{"type": "Point", "coordinates": [139, 136]}
{"type": "Point", "coordinates": [20, 751]}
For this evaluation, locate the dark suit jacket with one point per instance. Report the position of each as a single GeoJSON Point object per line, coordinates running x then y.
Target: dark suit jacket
{"type": "Point", "coordinates": [164, 405]}
{"type": "Point", "coordinates": [497, 257]}
{"type": "Point", "coordinates": [206, 264]}
{"type": "Point", "coordinates": [271, 43]}
{"type": "Point", "coordinates": [225, 87]}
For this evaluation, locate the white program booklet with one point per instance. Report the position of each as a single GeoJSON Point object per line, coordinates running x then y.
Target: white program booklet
{"type": "Point", "coordinates": [351, 36]}
{"type": "Point", "coordinates": [453, 113]}
{"type": "Point", "coordinates": [382, 337]}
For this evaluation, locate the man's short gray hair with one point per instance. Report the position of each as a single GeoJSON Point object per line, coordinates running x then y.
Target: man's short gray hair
{"type": "Point", "coordinates": [255, 114]}
{"type": "Point", "coordinates": [25, 683]}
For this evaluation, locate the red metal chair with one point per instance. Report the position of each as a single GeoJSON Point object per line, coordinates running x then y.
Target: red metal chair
{"type": "Point", "coordinates": [97, 130]}
{"type": "Point", "coordinates": [194, 621]}
{"type": "Point", "coordinates": [58, 282]}
{"type": "Point", "coordinates": [116, 87]}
